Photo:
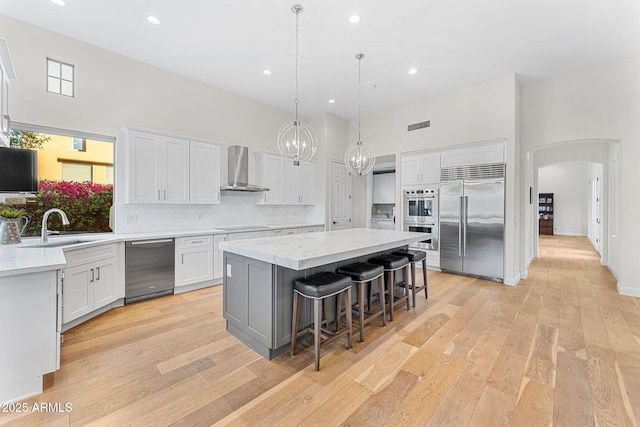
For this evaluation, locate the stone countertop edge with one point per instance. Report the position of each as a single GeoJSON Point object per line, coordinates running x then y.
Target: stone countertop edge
{"type": "Point", "coordinates": [299, 252]}
{"type": "Point", "coordinates": [23, 258]}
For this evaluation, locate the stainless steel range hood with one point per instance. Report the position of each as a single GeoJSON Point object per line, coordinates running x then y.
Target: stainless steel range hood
{"type": "Point", "coordinates": [238, 163]}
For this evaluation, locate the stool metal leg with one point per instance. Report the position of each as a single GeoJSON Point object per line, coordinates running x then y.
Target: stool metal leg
{"type": "Point", "coordinates": [413, 283]}
{"type": "Point", "coordinates": [349, 319]}
{"type": "Point", "coordinates": [317, 326]}
{"type": "Point", "coordinates": [391, 288]}
{"type": "Point", "coordinates": [406, 288]}
{"type": "Point", "coordinates": [294, 322]}
{"type": "Point", "coordinates": [424, 274]}
{"type": "Point", "coordinates": [361, 309]}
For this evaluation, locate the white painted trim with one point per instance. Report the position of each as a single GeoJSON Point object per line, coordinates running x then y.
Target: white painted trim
{"type": "Point", "coordinates": [631, 291]}
{"type": "Point", "coordinates": [511, 281]}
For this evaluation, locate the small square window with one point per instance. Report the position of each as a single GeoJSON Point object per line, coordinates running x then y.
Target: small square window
{"type": "Point", "coordinates": [60, 77]}
{"type": "Point", "coordinates": [80, 144]}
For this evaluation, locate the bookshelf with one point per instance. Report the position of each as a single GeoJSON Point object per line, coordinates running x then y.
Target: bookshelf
{"type": "Point", "coordinates": [545, 213]}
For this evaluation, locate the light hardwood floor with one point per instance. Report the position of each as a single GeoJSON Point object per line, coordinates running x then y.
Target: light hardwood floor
{"type": "Point", "coordinates": [562, 348]}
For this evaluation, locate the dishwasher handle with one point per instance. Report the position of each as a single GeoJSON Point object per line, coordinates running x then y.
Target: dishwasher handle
{"type": "Point", "coordinates": [149, 242]}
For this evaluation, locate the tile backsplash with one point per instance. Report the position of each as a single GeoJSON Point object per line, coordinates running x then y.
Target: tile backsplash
{"type": "Point", "coordinates": [234, 209]}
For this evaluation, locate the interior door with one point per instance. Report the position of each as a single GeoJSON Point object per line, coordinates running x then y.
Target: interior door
{"type": "Point", "coordinates": [484, 213]}
{"type": "Point", "coordinates": [340, 196]}
{"type": "Point", "coordinates": [450, 222]}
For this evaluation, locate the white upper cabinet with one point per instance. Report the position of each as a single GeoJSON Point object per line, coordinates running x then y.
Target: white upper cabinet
{"type": "Point", "coordinates": [288, 184]}
{"type": "Point", "coordinates": [204, 173]}
{"type": "Point", "coordinates": [168, 169]}
{"type": "Point", "coordinates": [6, 74]}
{"type": "Point", "coordinates": [421, 169]}
{"type": "Point", "coordinates": [480, 154]}
{"type": "Point", "coordinates": [299, 183]}
{"type": "Point", "coordinates": [384, 188]}
{"type": "Point", "coordinates": [270, 174]}
{"type": "Point", "coordinates": [157, 168]}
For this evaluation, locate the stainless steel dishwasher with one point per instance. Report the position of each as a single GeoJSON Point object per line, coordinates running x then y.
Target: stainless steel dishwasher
{"type": "Point", "coordinates": [149, 269]}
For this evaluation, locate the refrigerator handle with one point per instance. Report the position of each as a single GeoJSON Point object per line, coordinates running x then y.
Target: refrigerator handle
{"type": "Point", "coordinates": [460, 227]}
{"type": "Point", "coordinates": [464, 225]}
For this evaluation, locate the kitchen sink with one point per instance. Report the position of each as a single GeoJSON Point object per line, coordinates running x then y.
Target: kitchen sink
{"type": "Point", "coordinates": [58, 244]}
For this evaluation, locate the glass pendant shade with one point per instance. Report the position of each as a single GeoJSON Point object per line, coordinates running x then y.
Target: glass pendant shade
{"type": "Point", "coordinates": [359, 158]}
{"type": "Point", "coordinates": [297, 141]}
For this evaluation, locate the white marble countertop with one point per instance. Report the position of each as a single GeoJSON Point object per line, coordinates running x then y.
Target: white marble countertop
{"type": "Point", "coordinates": [299, 252]}
{"type": "Point", "coordinates": [27, 257]}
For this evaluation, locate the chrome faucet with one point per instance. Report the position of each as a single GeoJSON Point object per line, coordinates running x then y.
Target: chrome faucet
{"type": "Point", "coordinates": [45, 233]}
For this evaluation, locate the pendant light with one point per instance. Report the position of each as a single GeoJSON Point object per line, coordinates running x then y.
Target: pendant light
{"type": "Point", "coordinates": [359, 158]}
{"type": "Point", "coordinates": [297, 141]}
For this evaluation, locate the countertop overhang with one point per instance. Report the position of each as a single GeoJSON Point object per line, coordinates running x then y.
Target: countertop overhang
{"type": "Point", "coordinates": [299, 252]}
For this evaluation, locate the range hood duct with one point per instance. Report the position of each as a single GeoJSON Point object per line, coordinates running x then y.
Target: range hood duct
{"type": "Point", "coordinates": [238, 171]}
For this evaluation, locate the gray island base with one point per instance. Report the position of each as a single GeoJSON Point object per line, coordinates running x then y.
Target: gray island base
{"type": "Point", "coordinates": [259, 274]}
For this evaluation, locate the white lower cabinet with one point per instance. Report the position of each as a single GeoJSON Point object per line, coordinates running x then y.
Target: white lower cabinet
{"type": "Point", "coordinates": [88, 286]}
{"type": "Point", "coordinates": [194, 260]}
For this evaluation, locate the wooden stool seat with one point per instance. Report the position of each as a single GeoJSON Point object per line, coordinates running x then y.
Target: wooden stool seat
{"type": "Point", "coordinates": [391, 264]}
{"type": "Point", "coordinates": [318, 287]}
{"type": "Point", "coordinates": [362, 273]}
{"type": "Point", "coordinates": [415, 257]}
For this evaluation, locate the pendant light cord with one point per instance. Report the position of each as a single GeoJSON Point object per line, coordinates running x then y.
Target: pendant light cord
{"type": "Point", "coordinates": [359, 56]}
{"type": "Point", "coordinates": [297, 9]}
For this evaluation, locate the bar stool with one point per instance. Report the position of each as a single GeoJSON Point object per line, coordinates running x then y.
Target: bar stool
{"type": "Point", "coordinates": [362, 273]}
{"type": "Point", "coordinates": [318, 287]}
{"type": "Point", "coordinates": [415, 257]}
{"type": "Point", "coordinates": [391, 264]}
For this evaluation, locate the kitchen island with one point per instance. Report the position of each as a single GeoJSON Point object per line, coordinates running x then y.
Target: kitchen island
{"type": "Point", "coordinates": [259, 274]}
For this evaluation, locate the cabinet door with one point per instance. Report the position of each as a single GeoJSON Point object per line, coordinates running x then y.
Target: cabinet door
{"type": "Point", "coordinates": [175, 161]}
{"type": "Point", "coordinates": [103, 283]}
{"type": "Point", "coordinates": [77, 291]}
{"type": "Point", "coordinates": [204, 179]}
{"type": "Point", "coordinates": [217, 254]}
{"type": "Point", "coordinates": [291, 184]}
{"type": "Point", "coordinates": [430, 165]}
{"type": "Point", "coordinates": [144, 174]}
{"type": "Point", "coordinates": [195, 266]}
{"type": "Point", "coordinates": [411, 170]}
{"type": "Point", "coordinates": [307, 183]}
{"type": "Point", "coordinates": [270, 174]}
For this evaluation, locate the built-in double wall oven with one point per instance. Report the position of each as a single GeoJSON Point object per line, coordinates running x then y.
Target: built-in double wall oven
{"type": "Point", "coordinates": [421, 214]}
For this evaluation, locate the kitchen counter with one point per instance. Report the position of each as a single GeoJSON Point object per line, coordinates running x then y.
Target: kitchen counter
{"type": "Point", "coordinates": [308, 251]}
{"type": "Point", "coordinates": [259, 275]}
{"type": "Point", "coordinates": [30, 256]}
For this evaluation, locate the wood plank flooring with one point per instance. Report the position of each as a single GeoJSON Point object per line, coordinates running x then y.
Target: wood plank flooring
{"type": "Point", "coordinates": [562, 348]}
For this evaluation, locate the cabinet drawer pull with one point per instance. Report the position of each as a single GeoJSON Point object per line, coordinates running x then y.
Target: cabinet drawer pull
{"type": "Point", "coordinates": [97, 273]}
{"type": "Point", "coordinates": [93, 276]}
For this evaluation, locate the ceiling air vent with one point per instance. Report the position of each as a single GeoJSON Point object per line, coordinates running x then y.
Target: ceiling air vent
{"type": "Point", "coordinates": [420, 125]}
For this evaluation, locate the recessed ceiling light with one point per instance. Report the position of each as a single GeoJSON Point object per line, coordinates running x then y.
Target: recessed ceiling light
{"type": "Point", "coordinates": [152, 19]}
{"type": "Point", "coordinates": [332, 101]}
{"type": "Point", "coordinates": [354, 19]}
{"type": "Point", "coordinates": [267, 72]}
{"type": "Point", "coordinates": [413, 70]}
{"type": "Point", "coordinates": [59, 2]}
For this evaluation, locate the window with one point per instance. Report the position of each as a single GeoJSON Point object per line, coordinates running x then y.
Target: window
{"type": "Point", "coordinates": [80, 182]}
{"type": "Point", "coordinates": [79, 144]}
{"type": "Point", "coordinates": [59, 77]}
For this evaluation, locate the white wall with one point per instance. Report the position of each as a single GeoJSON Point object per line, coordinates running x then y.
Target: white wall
{"type": "Point", "coordinates": [114, 91]}
{"type": "Point", "coordinates": [483, 112]}
{"type": "Point", "coordinates": [599, 103]}
{"type": "Point", "coordinates": [569, 183]}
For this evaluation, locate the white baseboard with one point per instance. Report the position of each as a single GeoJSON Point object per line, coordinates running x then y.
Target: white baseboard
{"type": "Point", "coordinates": [631, 291]}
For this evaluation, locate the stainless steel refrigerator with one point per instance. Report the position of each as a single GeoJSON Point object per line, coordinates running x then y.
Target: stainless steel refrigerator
{"type": "Point", "coordinates": [472, 220]}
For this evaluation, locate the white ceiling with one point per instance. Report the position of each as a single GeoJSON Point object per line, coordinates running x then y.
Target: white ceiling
{"type": "Point", "coordinates": [453, 43]}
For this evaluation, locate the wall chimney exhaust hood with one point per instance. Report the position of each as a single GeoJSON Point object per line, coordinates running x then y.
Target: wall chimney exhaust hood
{"type": "Point", "coordinates": [238, 171]}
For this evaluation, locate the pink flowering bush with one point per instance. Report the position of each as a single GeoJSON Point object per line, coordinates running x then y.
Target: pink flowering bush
{"type": "Point", "coordinates": [85, 203]}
